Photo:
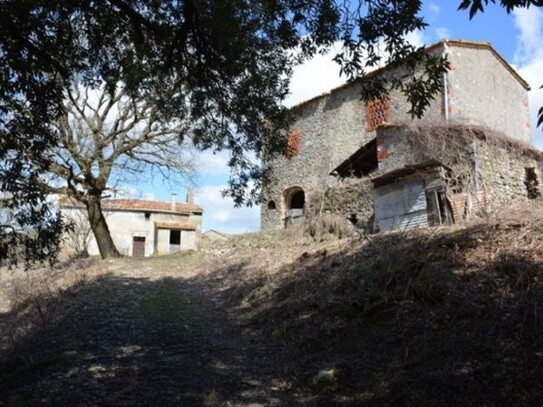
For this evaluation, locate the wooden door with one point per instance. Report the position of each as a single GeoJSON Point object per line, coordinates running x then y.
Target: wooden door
{"type": "Point", "coordinates": [138, 246]}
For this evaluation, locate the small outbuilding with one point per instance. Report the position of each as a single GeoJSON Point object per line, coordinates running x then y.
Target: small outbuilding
{"type": "Point", "coordinates": [411, 197]}
{"type": "Point", "coordinates": [138, 227]}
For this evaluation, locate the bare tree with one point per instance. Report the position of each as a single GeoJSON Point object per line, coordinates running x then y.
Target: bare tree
{"type": "Point", "coordinates": [106, 137]}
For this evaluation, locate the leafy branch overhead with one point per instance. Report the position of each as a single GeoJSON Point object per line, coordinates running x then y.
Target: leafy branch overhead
{"type": "Point", "coordinates": [220, 67]}
{"type": "Point", "coordinates": [540, 114]}
{"type": "Point", "coordinates": [478, 6]}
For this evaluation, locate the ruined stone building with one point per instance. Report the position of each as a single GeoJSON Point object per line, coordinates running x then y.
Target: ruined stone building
{"type": "Point", "coordinates": [371, 162]}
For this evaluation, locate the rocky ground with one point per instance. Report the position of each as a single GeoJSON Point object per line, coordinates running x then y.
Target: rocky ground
{"type": "Point", "coordinates": [129, 332]}
{"type": "Point", "coordinates": [438, 317]}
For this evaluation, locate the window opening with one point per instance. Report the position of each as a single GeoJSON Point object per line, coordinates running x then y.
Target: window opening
{"type": "Point", "coordinates": [297, 200]}
{"type": "Point", "coordinates": [532, 183]}
{"type": "Point", "coordinates": [353, 218]}
{"type": "Point", "coordinates": [272, 206]}
{"type": "Point", "coordinates": [295, 207]}
{"type": "Point", "coordinates": [175, 237]}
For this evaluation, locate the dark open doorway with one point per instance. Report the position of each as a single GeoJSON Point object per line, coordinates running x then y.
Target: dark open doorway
{"type": "Point", "coordinates": [175, 241]}
{"type": "Point", "coordinates": [438, 207]}
{"type": "Point", "coordinates": [295, 200]}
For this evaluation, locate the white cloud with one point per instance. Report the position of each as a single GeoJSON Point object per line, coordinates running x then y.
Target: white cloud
{"type": "Point", "coordinates": [314, 77]}
{"type": "Point", "coordinates": [434, 8]}
{"type": "Point", "coordinates": [443, 33]}
{"type": "Point", "coordinates": [209, 163]}
{"type": "Point", "coordinates": [130, 192]}
{"type": "Point", "coordinates": [220, 213]}
{"type": "Point", "coordinates": [529, 22]}
{"type": "Point", "coordinates": [149, 196]}
{"type": "Point", "coordinates": [416, 38]}
{"type": "Point", "coordinates": [529, 60]}
{"type": "Point", "coordinates": [321, 74]}
{"type": "Point", "coordinates": [532, 72]}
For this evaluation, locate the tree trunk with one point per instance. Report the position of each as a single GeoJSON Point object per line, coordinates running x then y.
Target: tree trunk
{"type": "Point", "coordinates": [100, 229]}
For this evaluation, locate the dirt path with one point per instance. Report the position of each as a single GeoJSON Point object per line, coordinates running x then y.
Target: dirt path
{"type": "Point", "coordinates": [126, 339]}
{"type": "Point", "coordinates": [448, 317]}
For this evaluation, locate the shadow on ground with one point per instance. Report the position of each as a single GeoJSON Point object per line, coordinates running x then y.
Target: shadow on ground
{"type": "Point", "coordinates": [133, 341]}
{"type": "Point", "coordinates": [452, 317]}
{"type": "Point", "coordinates": [445, 318]}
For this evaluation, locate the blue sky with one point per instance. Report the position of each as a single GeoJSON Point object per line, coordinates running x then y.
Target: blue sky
{"type": "Point", "coordinates": [517, 37]}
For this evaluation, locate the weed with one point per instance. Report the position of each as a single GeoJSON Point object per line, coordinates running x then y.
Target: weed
{"type": "Point", "coordinates": [328, 226]}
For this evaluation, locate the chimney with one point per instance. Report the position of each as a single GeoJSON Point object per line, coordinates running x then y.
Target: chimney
{"type": "Point", "coordinates": [174, 201]}
{"type": "Point", "coordinates": [190, 195]}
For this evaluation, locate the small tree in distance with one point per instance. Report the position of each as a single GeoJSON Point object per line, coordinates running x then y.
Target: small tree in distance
{"type": "Point", "coordinates": [107, 138]}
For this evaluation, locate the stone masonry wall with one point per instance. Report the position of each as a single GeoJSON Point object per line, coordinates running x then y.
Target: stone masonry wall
{"type": "Point", "coordinates": [331, 128]}
{"type": "Point", "coordinates": [503, 174]}
{"type": "Point", "coordinates": [479, 89]}
{"type": "Point", "coordinates": [352, 200]}
{"type": "Point", "coordinates": [496, 166]}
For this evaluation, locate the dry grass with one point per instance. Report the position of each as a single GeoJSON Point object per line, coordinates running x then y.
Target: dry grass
{"type": "Point", "coordinates": [314, 228]}
{"type": "Point", "coordinates": [398, 310]}
{"type": "Point", "coordinates": [460, 134]}
{"type": "Point", "coordinates": [439, 316]}
{"type": "Point", "coordinates": [328, 226]}
{"type": "Point", "coordinates": [31, 297]}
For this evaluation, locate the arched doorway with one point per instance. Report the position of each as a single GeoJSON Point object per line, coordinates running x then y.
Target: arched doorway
{"type": "Point", "coordinates": [295, 205]}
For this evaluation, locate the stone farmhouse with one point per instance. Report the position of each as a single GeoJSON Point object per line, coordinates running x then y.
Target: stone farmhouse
{"type": "Point", "coordinates": [471, 152]}
{"type": "Point", "coordinates": [138, 227]}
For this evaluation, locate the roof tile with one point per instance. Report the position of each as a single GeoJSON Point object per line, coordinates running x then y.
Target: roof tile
{"type": "Point", "coordinates": [139, 204]}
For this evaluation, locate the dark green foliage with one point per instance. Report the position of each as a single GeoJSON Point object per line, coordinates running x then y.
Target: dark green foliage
{"type": "Point", "coordinates": [540, 114]}
{"type": "Point", "coordinates": [477, 6]}
{"type": "Point", "coordinates": [224, 64]}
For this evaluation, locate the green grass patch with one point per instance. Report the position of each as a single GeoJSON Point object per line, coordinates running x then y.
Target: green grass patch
{"type": "Point", "coordinates": [168, 303]}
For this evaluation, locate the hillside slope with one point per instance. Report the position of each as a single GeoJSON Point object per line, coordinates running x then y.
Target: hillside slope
{"type": "Point", "coordinates": [435, 317]}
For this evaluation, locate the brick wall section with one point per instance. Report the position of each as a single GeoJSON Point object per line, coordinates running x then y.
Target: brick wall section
{"type": "Point", "coordinates": [458, 203]}
{"type": "Point", "coordinates": [293, 143]}
{"type": "Point", "coordinates": [376, 112]}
